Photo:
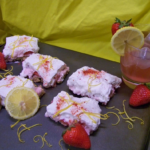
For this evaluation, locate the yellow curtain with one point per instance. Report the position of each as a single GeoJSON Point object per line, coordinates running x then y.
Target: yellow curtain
{"type": "Point", "coordinates": [80, 25]}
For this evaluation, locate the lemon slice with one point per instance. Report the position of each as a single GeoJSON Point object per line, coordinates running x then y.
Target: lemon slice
{"type": "Point", "coordinates": [22, 103]}
{"type": "Point", "coordinates": [130, 35]}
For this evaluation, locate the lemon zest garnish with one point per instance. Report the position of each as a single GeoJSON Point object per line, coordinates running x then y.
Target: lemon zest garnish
{"type": "Point", "coordinates": [60, 144]}
{"type": "Point", "coordinates": [116, 115]}
{"type": "Point", "coordinates": [14, 44]}
{"type": "Point", "coordinates": [74, 101]}
{"type": "Point", "coordinates": [7, 72]}
{"type": "Point", "coordinates": [128, 119]}
{"type": "Point", "coordinates": [110, 107]}
{"type": "Point", "coordinates": [25, 128]}
{"type": "Point", "coordinates": [43, 140]}
{"type": "Point", "coordinates": [7, 69]}
{"type": "Point", "coordinates": [1, 76]}
{"type": "Point", "coordinates": [19, 133]}
{"type": "Point", "coordinates": [7, 84]}
{"type": "Point", "coordinates": [42, 61]}
{"type": "Point", "coordinates": [105, 116]}
{"type": "Point", "coordinates": [23, 82]}
{"type": "Point", "coordinates": [92, 114]}
{"type": "Point", "coordinates": [38, 139]}
{"type": "Point", "coordinates": [70, 100]}
{"type": "Point", "coordinates": [142, 121]}
{"type": "Point", "coordinates": [48, 144]}
{"type": "Point", "coordinates": [61, 111]}
{"type": "Point", "coordinates": [66, 100]}
{"type": "Point", "coordinates": [89, 116]}
{"type": "Point", "coordinates": [130, 123]}
{"type": "Point", "coordinates": [31, 40]}
{"type": "Point", "coordinates": [13, 125]}
{"type": "Point", "coordinates": [92, 77]}
{"type": "Point", "coordinates": [126, 112]}
{"type": "Point", "coordinates": [97, 115]}
{"type": "Point", "coordinates": [119, 112]}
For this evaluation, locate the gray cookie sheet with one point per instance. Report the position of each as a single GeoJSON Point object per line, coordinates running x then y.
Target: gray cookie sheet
{"type": "Point", "coordinates": [107, 137]}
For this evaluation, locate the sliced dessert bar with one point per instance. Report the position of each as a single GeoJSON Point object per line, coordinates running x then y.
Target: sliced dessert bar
{"type": "Point", "coordinates": [19, 47]}
{"type": "Point", "coordinates": [95, 84]}
{"type": "Point", "coordinates": [10, 82]}
{"type": "Point", "coordinates": [44, 68]}
{"type": "Point", "coordinates": [68, 109]}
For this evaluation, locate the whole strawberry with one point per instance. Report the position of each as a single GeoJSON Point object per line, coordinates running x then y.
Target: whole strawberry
{"type": "Point", "coordinates": [119, 24]}
{"type": "Point", "coordinates": [140, 96]}
{"type": "Point", "coordinates": [2, 61]}
{"type": "Point", "coordinates": [76, 136]}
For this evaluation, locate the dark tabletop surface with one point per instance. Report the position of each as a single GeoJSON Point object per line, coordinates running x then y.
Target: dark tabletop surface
{"type": "Point", "coordinates": [107, 137]}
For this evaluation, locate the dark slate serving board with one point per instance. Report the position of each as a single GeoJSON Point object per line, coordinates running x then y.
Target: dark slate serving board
{"type": "Point", "coordinates": [107, 137]}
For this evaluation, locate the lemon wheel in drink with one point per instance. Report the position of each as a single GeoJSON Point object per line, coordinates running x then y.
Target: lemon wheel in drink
{"type": "Point", "coordinates": [130, 36]}
{"type": "Point", "coordinates": [22, 103]}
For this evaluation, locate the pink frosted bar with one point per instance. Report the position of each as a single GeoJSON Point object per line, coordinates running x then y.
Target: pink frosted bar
{"type": "Point", "coordinates": [95, 84]}
{"type": "Point", "coordinates": [19, 47]}
{"type": "Point", "coordinates": [68, 109]}
{"type": "Point", "coordinates": [44, 68]}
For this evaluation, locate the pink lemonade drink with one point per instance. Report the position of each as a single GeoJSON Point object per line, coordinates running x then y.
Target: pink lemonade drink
{"type": "Point", "coordinates": [135, 64]}
{"type": "Point", "coordinates": [136, 68]}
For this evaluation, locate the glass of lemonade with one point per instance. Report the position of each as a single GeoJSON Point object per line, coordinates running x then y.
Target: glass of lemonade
{"type": "Point", "coordinates": [135, 64]}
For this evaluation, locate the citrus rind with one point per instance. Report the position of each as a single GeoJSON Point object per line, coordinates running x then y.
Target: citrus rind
{"type": "Point", "coordinates": [131, 35]}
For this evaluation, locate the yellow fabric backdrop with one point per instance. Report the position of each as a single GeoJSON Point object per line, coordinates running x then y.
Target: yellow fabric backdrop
{"type": "Point", "coordinates": [79, 25]}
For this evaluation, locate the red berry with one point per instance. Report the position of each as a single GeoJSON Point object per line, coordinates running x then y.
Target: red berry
{"type": "Point", "coordinates": [120, 24]}
{"type": "Point", "coordinates": [140, 96]}
{"type": "Point", "coordinates": [2, 61]}
{"type": "Point", "coordinates": [76, 136]}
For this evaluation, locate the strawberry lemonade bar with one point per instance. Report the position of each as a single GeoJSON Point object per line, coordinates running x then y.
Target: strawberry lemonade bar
{"type": "Point", "coordinates": [68, 109]}
{"type": "Point", "coordinates": [10, 82]}
{"type": "Point", "coordinates": [98, 85]}
{"type": "Point", "coordinates": [19, 47]}
{"type": "Point", "coordinates": [44, 68]}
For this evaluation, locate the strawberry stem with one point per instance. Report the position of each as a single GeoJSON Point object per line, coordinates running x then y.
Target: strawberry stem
{"type": "Point", "coordinates": [123, 23]}
{"type": "Point", "coordinates": [129, 20]}
{"type": "Point", "coordinates": [117, 20]}
{"type": "Point", "coordinates": [147, 85]}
